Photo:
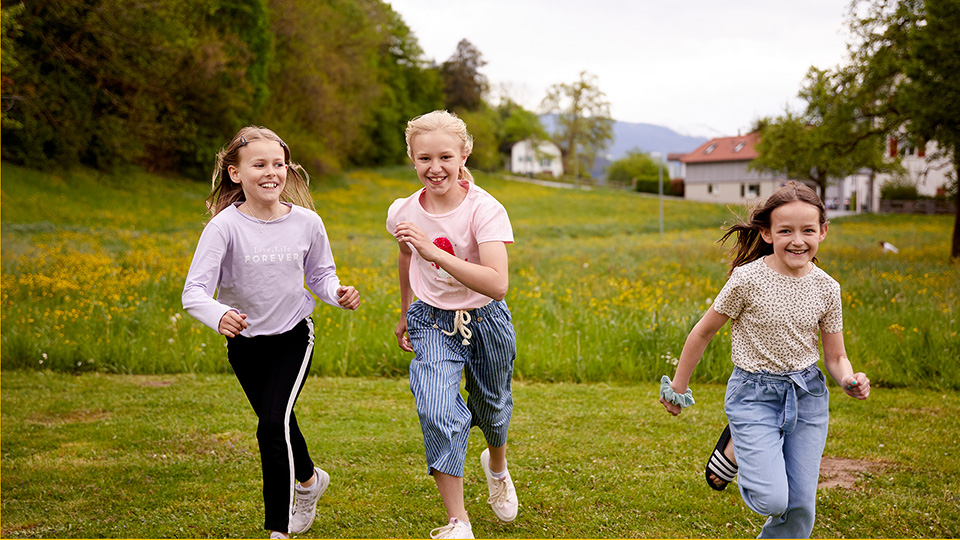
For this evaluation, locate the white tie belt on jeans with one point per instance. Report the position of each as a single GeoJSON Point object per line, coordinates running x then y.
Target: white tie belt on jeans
{"type": "Point", "coordinates": [460, 321]}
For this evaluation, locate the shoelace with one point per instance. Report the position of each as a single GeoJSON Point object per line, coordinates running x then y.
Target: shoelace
{"type": "Point", "coordinates": [302, 503]}
{"type": "Point", "coordinates": [460, 321]}
{"type": "Point", "coordinates": [500, 492]}
{"type": "Point", "coordinates": [442, 532]}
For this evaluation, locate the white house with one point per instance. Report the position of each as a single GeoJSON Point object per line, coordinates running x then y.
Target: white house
{"type": "Point", "coordinates": [925, 168]}
{"type": "Point", "coordinates": [544, 158]}
{"type": "Point", "coordinates": [717, 172]}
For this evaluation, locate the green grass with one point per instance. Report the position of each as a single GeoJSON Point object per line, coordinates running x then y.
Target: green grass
{"type": "Point", "coordinates": [169, 456]}
{"type": "Point", "coordinates": [93, 267]}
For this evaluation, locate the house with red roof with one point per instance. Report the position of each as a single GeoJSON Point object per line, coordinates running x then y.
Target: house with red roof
{"type": "Point", "coordinates": [717, 172]}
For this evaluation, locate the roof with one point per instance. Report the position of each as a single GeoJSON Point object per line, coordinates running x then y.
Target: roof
{"type": "Point", "coordinates": [739, 148]}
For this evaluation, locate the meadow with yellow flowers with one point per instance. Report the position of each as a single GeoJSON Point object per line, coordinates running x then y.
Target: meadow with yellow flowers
{"type": "Point", "coordinates": [121, 418]}
{"type": "Point", "coordinates": [93, 267]}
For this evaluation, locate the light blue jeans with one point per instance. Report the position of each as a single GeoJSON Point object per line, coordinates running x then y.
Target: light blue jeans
{"type": "Point", "coordinates": [779, 428]}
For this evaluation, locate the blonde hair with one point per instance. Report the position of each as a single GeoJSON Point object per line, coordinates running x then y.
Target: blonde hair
{"type": "Point", "coordinates": [225, 191]}
{"type": "Point", "coordinates": [446, 122]}
{"type": "Point", "coordinates": [750, 245]}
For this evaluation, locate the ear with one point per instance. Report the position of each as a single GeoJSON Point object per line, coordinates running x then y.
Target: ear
{"type": "Point", "coordinates": [767, 237]}
{"type": "Point", "coordinates": [823, 231]}
{"type": "Point", "coordinates": [234, 174]}
{"type": "Point", "coordinates": [464, 162]}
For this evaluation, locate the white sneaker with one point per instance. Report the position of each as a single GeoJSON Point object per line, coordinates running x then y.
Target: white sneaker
{"type": "Point", "coordinates": [454, 529]}
{"type": "Point", "coordinates": [305, 502]}
{"type": "Point", "coordinates": [503, 496]}
{"type": "Point", "coordinates": [278, 535]}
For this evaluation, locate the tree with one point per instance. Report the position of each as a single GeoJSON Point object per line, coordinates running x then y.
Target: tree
{"type": "Point", "coordinates": [463, 83]}
{"type": "Point", "coordinates": [584, 126]}
{"type": "Point", "coordinates": [831, 139]}
{"type": "Point", "coordinates": [515, 124]}
{"type": "Point", "coordinates": [638, 167]}
{"type": "Point", "coordinates": [483, 127]}
{"type": "Point", "coordinates": [908, 56]}
{"type": "Point", "coordinates": [161, 82]}
{"type": "Point", "coordinates": [409, 87]}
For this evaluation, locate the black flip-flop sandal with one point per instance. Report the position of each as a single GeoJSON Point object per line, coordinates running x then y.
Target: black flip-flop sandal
{"type": "Point", "coordinates": [719, 465]}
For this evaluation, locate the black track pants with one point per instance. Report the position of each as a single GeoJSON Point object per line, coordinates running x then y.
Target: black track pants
{"type": "Point", "coordinates": [271, 370]}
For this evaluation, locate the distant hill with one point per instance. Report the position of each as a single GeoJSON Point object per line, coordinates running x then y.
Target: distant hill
{"type": "Point", "coordinates": [645, 137]}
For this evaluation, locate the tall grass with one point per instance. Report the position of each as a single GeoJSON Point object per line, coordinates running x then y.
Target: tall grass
{"type": "Point", "coordinates": [93, 266]}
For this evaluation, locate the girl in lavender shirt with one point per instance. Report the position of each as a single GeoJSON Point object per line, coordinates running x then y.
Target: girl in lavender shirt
{"type": "Point", "coordinates": [246, 281]}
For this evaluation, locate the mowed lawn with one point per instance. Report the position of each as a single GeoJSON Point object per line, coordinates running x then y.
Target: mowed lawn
{"type": "Point", "coordinates": [99, 455]}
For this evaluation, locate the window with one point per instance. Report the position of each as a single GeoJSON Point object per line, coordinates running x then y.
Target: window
{"type": "Point", "coordinates": [738, 147]}
{"type": "Point", "coordinates": [713, 189]}
{"type": "Point", "coordinates": [710, 148]}
{"type": "Point", "coordinates": [749, 191]}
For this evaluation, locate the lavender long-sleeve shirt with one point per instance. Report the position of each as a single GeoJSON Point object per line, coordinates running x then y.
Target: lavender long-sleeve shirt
{"type": "Point", "coordinates": [260, 269]}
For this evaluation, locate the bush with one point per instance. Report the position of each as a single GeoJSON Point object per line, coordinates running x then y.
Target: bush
{"type": "Point", "coordinates": [899, 189]}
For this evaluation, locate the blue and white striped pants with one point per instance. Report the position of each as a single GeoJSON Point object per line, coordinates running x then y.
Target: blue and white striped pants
{"type": "Point", "coordinates": [441, 359]}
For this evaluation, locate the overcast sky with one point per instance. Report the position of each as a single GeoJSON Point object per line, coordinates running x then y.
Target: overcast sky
{"type": "Point", "coordinates": [701, 67]}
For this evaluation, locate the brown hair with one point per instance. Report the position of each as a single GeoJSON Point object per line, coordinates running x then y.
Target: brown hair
{"type": "Point", "coordinates": [750, 245]}
{"type": "Point", "coordinates": [225, 191]}
{"type": "Point", "coordinates": [448, 123]}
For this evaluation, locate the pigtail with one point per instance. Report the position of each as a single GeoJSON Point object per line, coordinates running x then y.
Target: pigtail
{"type": "Point", "coordinates": [297, 190]}
{"type": "Point", "coordinates": [466, 175]}
{"type": "Point", "coordinates": [749, 244]}
{"type": "Point", "coordinates": [223, 190]}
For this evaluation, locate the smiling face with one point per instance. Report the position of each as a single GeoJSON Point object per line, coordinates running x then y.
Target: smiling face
{"type": "Point", "coordinates": [261, 172]}
{"type": "Point", "coordinates": [437, 156]}
{"type": "Point", "coordinates": [795, 233]}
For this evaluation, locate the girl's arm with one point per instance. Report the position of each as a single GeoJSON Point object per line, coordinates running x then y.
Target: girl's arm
{"type": "Point", "coordinates": [406, 296]}
{"type": "Point", "coordinates": [201, 285]}
{"type": "Point", "coordinates": [488, 277]}
{"type": "Point", "coordinates": [838, 365]}
{"type": "Point", "coordinates": [693, 348]}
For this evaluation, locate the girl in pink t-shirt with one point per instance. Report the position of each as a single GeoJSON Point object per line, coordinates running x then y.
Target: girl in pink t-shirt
{"type": "Point", "coordinates": [453, 257]}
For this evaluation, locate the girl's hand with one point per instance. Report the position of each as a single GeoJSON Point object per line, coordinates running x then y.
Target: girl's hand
{"type": "Point", "coordinates": [671, 408]}
{"type": "Point", "coordinates": [857, 385]}
{"type": "Point", "coordinates": [232, 323]}
{"type": "Point", "coordinates": [348, 297]}
{"type": "Point", "coordinates": [407, 232]}
{"type": "Point", "coordinates": [403, 340]}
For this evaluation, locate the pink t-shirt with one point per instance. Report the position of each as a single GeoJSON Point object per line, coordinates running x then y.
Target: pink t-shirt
{"type": "Point", "coordinates": [479, 218]}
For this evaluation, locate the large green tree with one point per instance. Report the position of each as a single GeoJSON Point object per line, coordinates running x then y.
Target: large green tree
{"type": "Point", "coordinates": [908, 56]}
{"type": "Point", "coordinates": [156, 82]}
{"type": "Point", "coordinates": [831, 138]}
{"type": "Point", "coordinates": [463, 84]}
{"type": "Point", "coordinates": [408, 87]}
{"type": "Point", "coordinates": [583, 123]}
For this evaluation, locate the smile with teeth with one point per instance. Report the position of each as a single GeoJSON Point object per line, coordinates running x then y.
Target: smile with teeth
{"type": "Point", "coordinates": [797, 251]}
{"type": "Point", "coordinates": [270, 185]}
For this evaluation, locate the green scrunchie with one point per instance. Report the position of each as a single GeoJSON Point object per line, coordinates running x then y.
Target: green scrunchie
{"type": "Point", "coordinates": [681, 400]}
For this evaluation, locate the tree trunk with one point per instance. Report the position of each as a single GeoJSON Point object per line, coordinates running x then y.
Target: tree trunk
{"type": "Point", "coordinates": [955, 249]}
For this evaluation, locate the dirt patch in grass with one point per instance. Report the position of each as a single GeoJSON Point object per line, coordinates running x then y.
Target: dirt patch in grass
{"type": "Point", "coordinates": [843, 472]}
